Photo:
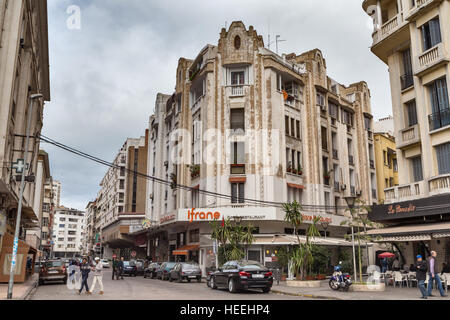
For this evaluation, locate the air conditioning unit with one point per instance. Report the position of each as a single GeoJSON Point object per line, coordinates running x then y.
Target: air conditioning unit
{"type": "Point", "coordinates": [343, 187]}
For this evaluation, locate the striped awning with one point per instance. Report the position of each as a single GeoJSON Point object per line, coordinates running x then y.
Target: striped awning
{"type": "Point", "coordinates": [184, 251]}
{"type": "Point", "coordinates": [417, 232]}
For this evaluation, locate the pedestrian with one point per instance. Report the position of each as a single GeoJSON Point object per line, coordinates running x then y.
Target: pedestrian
{"type": "Point", "coordinates": [421, 268]}
{"type": "Point", "coordinates": [120, 267]}
{"type": "Point", "coordinates": [85, 269]}
{"type": "Point", "coordinates": [434, 276]}
{"type": "Point", "coordinates": [114, 267]}
{"type": "Point", "coordinates": [98, 275]}
{"type": "Point", "coordinates": [396, 265]}
{"type": "Point", "coordinates": [384, 264]}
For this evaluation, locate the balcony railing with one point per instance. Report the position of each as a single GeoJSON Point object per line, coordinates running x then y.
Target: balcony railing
{"type": "Point", "coordinates": [409, 136]}
{"type": "Point", "coordinates": [237, 91]}
{"type": "Point", "coordinates": [439, 119]}
{"type": "Point", "coordinates": [390, 26]}
{"type": "Point", "coordinates": [440, 184]}
{"type": "Point", "coordinates": [404, 192]}
{"type": "Point", "coordinates": [335, 154]}
{"type": "Point", "coordinates": [407, 81]}
{"type": "Point", "coordinates": [430, 57]}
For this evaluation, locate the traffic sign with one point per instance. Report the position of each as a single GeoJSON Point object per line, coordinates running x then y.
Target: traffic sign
{"type": "Point", "coordinates": [133, 254]}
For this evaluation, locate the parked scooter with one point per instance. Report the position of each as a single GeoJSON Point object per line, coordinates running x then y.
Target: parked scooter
{"type": "Point", "coordinates": [340, 280]}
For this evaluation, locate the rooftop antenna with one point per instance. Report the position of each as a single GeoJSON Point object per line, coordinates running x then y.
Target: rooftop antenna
{"type": "Point", "coordinates": [277, 40]}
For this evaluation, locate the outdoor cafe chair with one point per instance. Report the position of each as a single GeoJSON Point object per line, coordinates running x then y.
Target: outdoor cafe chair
{"type": "Point", "coordinates": [398, 277]}
{"type": "Point", "coordinates": [412, 278]}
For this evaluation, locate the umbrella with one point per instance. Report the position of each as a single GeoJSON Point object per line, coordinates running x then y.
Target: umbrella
{"type": "Point", "coordinates": [386, 255]}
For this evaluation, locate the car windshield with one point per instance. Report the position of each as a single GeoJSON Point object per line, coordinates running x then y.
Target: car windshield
{"type": "Point", "coordinates": [170, 265]}
{"type": "Point", "coordinates": [190, 266]}
{"type": "Point", "coordinates": [126, 263]}
{"type": "Point", "coordinates": [52, 264]}
{"type": "Point", "coordinates": [251, 265]}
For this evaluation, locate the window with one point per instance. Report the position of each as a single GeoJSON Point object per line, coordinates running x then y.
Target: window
{"type": "Point", "coordinates": [72, 233]}
{"type": "Point", "coordinates": [237, 119]}
{"type": "Point", "coordinates": [60, 239]}
{"type": "Point", "coordinates": [238, 152]}
{"type": "Point", "coordinates": [292, 127]}
{"type": "Point", "coordinates": [62, 219]}
{"type": "Point", "coordinates": [443, 158]}
{"type": "Point", "coordinates": [324, 138]}
{"type": "Point", "coordinates": [367, 123]}
{"type": "Point", "coordinates": [195, 198]}
{"type": "Point", "coordinates": [62, 225]}
{"type": "Point", "coordinates": [417, 168]}
{"type": "Point", "coordinates": [347, 118]}
{"type": "Point", "coordinates": [333, 110]}
{"type": "Point", "coordinates": [431, 34]}
{"type": "Point", "coordinates": [320, 99]}
{"type": "Point", "coordinates": [297, 126]}
{"type": "Point", "coordinates": [237, 42]}
{"type": "Point", "coordinates": [440, 116]}
{"type": "Point", "coordinates": [286, 123]}
{"type": "Point", "coordinates": [237, 78]}
{"type": "Point", "coordinates": [412, 113]}
{"type": "Point", "coordinates": [407, 79]}
{"type": "Point", "coordinates": [45, 222]}
{"type": "Point", "coordinates": [44, 235]}
{"type": "Point", "coordinates": [194, 235]}
{"type": "Point", "coordinates": [237, 193]}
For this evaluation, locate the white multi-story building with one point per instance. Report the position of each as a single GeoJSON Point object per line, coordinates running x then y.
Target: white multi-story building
{"type": "Point", "coordinates": [68, 232]}
{"type": "Point", "coordinates": [56, 189]}
{"type": "Point", "coordinates": [258, 129]}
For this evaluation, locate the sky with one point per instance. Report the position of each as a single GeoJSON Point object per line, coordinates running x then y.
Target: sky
{"type": "Point", "coordinates": [106, 70]}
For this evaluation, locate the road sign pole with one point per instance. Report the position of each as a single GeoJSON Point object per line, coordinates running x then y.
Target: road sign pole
{"type": "Point", "coordinates": [19, 209]}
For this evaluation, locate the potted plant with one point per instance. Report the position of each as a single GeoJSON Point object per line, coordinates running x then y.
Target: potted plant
{"type": "Point", "coordinates": [173, 183]}
{"type": "Point", "coordinates": [294, 171]}
{"type": "Point", "coordinates": [195, 170]}
{"type": "Point", "coordinates": [300, 170]}
{"type": "Point", "coordinates": [289, 168]}
{"type": "Point", "coordinates": [327, 174]}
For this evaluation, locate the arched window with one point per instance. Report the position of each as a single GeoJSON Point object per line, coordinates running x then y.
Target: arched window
{"type": "Point", "coordinates": [237, 42]}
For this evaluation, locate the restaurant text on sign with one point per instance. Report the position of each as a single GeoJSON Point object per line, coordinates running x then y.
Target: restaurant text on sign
{"type": "Point", "coordinates": [311, 218]}
{"type": "Point", "coordinates": [399, 209]}
{"type": "Point", "coordinates": [192, 215]}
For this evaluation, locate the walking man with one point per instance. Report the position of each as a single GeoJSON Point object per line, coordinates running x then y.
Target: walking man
{"type": "Point", "coordinates": [421, 268]}
{"type": "Point", "coordinates": [114, 267]}
{"type": "Point", "coordinates": [434, 276]}
{"type": "Point", "coordinates": [98, 275]}
{"type": "Point", "coordinates": [120, 267]}
{"type": "Point", "coordinates": [85, 269]}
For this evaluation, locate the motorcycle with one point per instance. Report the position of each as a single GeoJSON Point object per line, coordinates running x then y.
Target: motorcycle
{"type": "Point", "coordinates": [340, 280]}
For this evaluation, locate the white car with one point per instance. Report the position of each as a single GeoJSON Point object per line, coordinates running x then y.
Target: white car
{"type": "Point", "coordinates": [105, 263]}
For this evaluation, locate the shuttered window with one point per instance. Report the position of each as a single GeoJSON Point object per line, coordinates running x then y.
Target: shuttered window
{"type": "Point", "coordinates": [237, 119]}
{"type": "Point", "coordinates": [443, 158]}
{"type": "Point", "coordinates": [431, 34]}
{"type": "Point", "coordinates": [412, 113]}
{"type": "Point", "coordinates": [417, 169]}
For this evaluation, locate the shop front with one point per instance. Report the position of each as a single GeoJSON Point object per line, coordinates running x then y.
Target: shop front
{"type": "Point", "coordinates": [415, 227]}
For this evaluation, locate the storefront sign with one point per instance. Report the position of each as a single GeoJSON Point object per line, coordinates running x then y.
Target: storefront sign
{"type": "Point", "coordinates": [211, 214]}
{"type": "Point", "coordinates": [322, 219]}
{"type": "Point", "coordinates": [194, 215]}
{"type": "Point", "coordinates": [146, 223]}
{"type": "Point", "coordinates": [168, 218]}
{"type": "Point", "coordinates": [393, 209]}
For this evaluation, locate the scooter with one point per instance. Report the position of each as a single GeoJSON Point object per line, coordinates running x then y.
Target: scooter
{"type": "Point", "coordinates": [340, 280]}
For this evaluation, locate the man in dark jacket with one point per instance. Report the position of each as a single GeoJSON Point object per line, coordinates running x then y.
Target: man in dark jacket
{"type": "Point", "coordinates": [85, 268]}
{"type": "Point", "coordinates": [120, 267]}
{"type": "Point", "coordinates": [434, 276]}
{"type": "Point", "coordinates": [421, 268]}
{"type": "Point", "coordinates": [114, 267]}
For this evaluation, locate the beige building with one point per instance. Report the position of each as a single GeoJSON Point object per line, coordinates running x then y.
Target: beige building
{"type": "Point", "coordinates": [24, 70]}
{"type": "Point", "coordinates": [258, 129]}
{"type": "Point", "coordinates": [413, 39]}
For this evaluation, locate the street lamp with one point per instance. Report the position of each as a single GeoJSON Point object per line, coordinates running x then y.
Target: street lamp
{"type": "Point", "coordinates": [364, 216]}
{"type": "Point", "coordinates": [21, 191]}
{"type": "Point", "coordinates": [237, 219]}
{"type": "Point", "coordinates": [351, 205]}
{"type": "Point", "coordinates": [325, 225]}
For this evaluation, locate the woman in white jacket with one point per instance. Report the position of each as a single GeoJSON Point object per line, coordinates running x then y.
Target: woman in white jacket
{"type": "Point", "coordinates": [98, 275]}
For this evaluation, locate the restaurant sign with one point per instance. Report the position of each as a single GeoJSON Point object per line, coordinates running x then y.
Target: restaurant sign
{"type": "Point", "coordinates": [394, 209]}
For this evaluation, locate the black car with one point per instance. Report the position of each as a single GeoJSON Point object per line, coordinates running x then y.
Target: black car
{"type": "Point", "coordinates": [151, 270]}
{"type": "Point", "coordinates": [164, 270]}
{"type": "Point", "coordinates": [129, 268]}
{"type": "Point", "coordinates": [186, 271]}
{"type": "Point", "coordinates": [241, 275]}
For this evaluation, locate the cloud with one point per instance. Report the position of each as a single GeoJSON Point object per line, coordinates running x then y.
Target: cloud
{"type": "Point", "coordinates": [105, 76]}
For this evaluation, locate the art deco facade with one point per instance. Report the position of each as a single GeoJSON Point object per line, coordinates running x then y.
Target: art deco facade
{"type": "Point", "coordinates": [413, 39]}
{"type": "Point", "coordinates": [24, 70]}
{"type": "Point", "coordinates": [249, 124]}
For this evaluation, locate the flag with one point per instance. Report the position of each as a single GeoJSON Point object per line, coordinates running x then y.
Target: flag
{"type": "Point", "coordinates": [285, 95]}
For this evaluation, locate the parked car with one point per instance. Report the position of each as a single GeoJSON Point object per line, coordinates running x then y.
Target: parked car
{"type": "Point", "coordinates": [151, 270]}
{"type": "Point", "coordinates": [185, 271]}
{"type": "Point", "coordinates": [164, 270]}
{"type": "Point", "coordinates": [105, 263]}
{"type": "Point", "coordinates": [129, 268]}
{"type": "Point", "coordinates": [37, 266]}
{"type": "Point", "coordinates": [53, 270]}
{"type": "Point", "coordinates": [241, 275]}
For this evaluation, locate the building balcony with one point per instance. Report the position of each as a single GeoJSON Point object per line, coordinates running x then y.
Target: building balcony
{"type": "Point", "coordinates": [431, 59]}
{"type": "Point", "coordinates": [405, 192]}
{"type": "Point", "coordinates": [439, 119]}
{"type": "Point", "coordinates": [408, 137]}
{"type": "Point", "coordinates": [237, 91]}
{"type": "Point", "coordinates": [440, 184]}
{"type": "Point", "coordinates": [420, 7]}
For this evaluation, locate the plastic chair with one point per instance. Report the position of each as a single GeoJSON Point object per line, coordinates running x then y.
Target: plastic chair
{"type": "Point", "coordinates": [398, 277]}
{"type": "Point", "coordinates": [412, 278]}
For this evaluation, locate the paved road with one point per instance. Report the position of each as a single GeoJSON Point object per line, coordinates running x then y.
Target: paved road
{"type": "Point", "coordinates": [139, 288]}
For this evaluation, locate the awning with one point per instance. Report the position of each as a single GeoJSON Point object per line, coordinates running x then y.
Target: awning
{"type": "Point", "coordinates": [286, 239]}
{"type": "Point", "coordinates": [184, 251]}
{"type": "Point", "coordinates": [296, 186]}
{"type": "Point", "coordinates": [416, 232]}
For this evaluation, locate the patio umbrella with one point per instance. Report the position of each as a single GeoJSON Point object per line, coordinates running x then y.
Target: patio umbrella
{"type": "Point", "coordinates": [386, 255]}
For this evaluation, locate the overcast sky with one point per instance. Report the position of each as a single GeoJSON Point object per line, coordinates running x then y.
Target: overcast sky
{"type": "Point", "coordinates": [105, 75]}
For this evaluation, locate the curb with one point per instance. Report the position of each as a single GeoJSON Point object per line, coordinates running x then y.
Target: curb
{"type": "Point", "coordinates": [305, 295]}
{"type": "Point", "coordinates": [29, 291]}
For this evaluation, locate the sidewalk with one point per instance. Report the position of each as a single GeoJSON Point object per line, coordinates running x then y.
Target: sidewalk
{"type": "Point", "coordinates": [324, 292]}
{"type": "Point", "coordinates": [21, 291]}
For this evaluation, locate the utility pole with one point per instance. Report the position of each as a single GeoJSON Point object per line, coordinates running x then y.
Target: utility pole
{"type": "Point", "coordinates": [277, 40]}
{"type": "Point", "coordinates": [19, 209]}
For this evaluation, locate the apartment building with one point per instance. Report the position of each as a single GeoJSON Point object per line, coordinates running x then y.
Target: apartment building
{"type": "Point", "coordinates": [259, 129]}
{"type": "Point", "coordinates": [24, 65]}
{"type": "Point", "coordinates": [56, 186]}
{"type": "Point", "coordinates": [67, 232]}
{"type": "Point", "coordinates": [120, 203]}
{"type": "Point", "coordinates": [385, 156]}
{"type": "Point", "coordinates": [413, 38]}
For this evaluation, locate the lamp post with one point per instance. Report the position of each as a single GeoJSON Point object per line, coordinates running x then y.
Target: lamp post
{"type": "Point", "coordinates": [21, 190]}
{"type": "Point", "coordinates": [351, 204]}
{"type": "Point", "coordinates": [325, 225]}
{"type": "Point", "coordinates": [364, 216]}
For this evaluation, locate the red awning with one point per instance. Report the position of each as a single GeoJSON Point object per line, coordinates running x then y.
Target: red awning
{"type": "Point", "coordinates": [238, 180]}
{"type": "Point", "coordinates": [296, 186]}
{"type": "Point", "coordinates": [184, 251]}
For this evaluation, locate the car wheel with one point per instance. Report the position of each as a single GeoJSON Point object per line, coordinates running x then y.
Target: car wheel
{"type": "Point", "coordinates": [41, 282]}
{"type": "Point", "coordinates": [266, 290]}
{"type": "Point", "coordinates": [65, 281]}
{"type": "Point", "coordinates": [170, 279]}
{"type": "Point", "coordinates": [189, 280]}
{"type": "Point", "coordinates": [232, 286]}
{"type": "Point", "coordinates": [212, 283]}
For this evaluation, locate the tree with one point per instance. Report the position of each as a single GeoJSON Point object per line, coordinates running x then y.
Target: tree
{"type": "Point", "coordinates": [357, 221]}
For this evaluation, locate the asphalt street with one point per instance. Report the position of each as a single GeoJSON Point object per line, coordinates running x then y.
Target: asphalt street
{"type": "Point", "coordinates": [138, 288]}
